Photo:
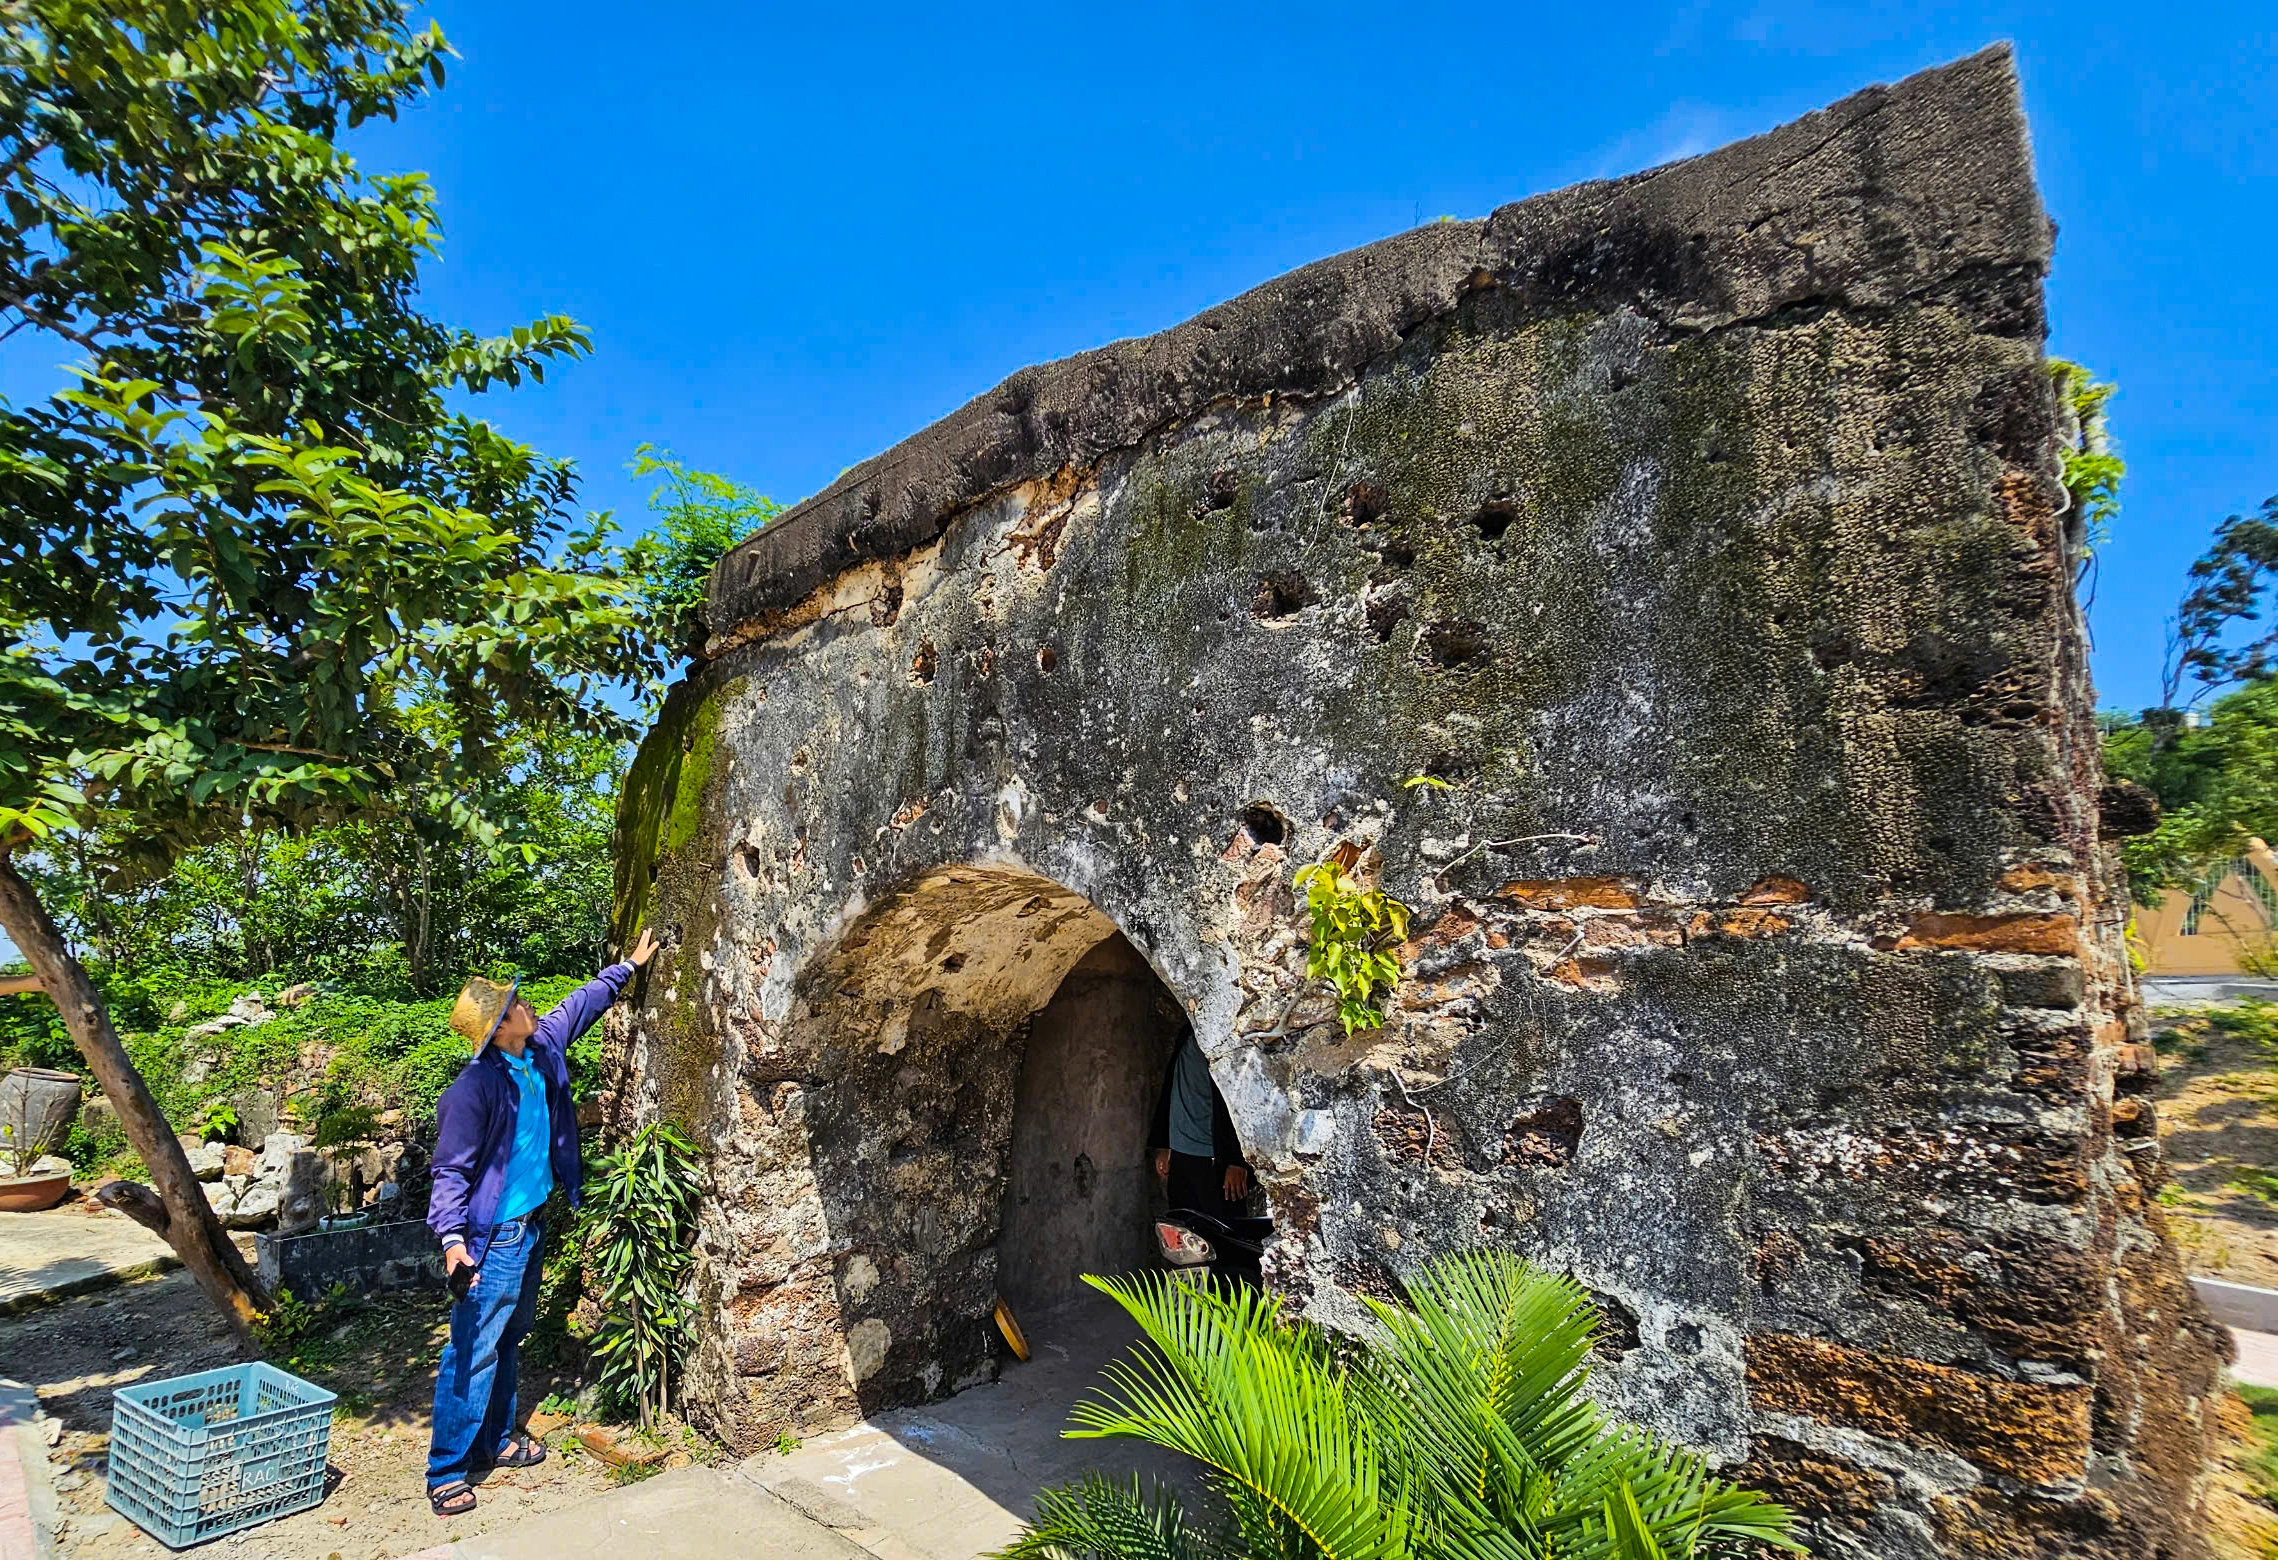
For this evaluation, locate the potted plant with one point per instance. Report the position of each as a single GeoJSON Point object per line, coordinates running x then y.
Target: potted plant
{"type": "Point", "coordinates": [342, 1137]}
{"type": "Point", "coordinates": [33, 1180]}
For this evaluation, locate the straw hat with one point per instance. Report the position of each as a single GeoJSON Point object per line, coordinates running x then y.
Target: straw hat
{"type": "Point", "coordinates": [482, 1003]}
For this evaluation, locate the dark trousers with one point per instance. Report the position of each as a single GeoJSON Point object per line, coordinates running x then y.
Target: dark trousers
{"type": "Point", "coordinates": [1199, 1184]}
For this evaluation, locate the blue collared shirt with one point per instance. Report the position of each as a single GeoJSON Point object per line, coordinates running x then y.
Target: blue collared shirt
{"type": "Point", "coordinates": [530, 1169]}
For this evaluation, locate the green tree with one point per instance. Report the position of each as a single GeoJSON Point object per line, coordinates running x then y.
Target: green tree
{"type": "Point", "coordinates": [2217, 785]}
{"type": "Point", "coordinates": [327, 903]}
{"type": "Point", "coordinates": [254, 538]}
{"type": "Point", "coordinates": [2229, 585]}
{"type": "Point", "coordinates": [1460, 1429]}
{"type": "Point", "coordinates": [700, 515]}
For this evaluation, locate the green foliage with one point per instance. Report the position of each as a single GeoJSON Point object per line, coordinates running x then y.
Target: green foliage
{"type": "Point", "coordinates": [786, 1443]}
{"type": "Point", "coordinates": [1461, 1429]}
{"type": "Point", "coordinates": [700, 515]}
{"type": "Point", "coordinates": [2250, 1019]}
{"type": "Point", "coordinates": [638, 1237]}
{"type": "Point", "coordinates": [2092, 465]}
{"type": "Point", "coordinates": [1355, 931]}
{"type": "Point", "coordinates": [2229, 585]}
{"type": "Point", "coordinates": [286, 1322]}
{"type": "Point", "coordinates": [397, 905]}
{"type": "Point", "coordinates": [217, 1121]}
{"type": "Point", "coordinates": [31, 1031]}
{"type": "Point", "coordinates": [2217, 785]}
{"type": "Point", "coordinates": [351, 1126]}
{"type": "Point", "coordinates": [2260, 1184]}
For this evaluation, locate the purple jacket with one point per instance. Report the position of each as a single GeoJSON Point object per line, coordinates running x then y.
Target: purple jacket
{"type": "Point", "coordinates": [474, 1121]}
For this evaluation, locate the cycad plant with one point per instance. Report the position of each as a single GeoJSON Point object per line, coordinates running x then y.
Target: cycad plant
{"type": "Point", "coordinates": [1460, 1430]}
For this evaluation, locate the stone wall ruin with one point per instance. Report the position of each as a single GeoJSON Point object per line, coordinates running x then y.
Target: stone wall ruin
{"type": "Point", "coordinates": [1701, 531]}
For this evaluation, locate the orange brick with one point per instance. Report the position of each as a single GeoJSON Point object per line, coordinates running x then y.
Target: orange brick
{"type": "Point", "coordinates": [2037, 1434]}
{"type": "Point", "coordinates": [2026, 879]}
{"type": "Point", "coordinates": [1591, 893]}
{"type": "Point", "coordinates": [2048, 934]}
{"type": "Point", "coordinates": [1776, 891]}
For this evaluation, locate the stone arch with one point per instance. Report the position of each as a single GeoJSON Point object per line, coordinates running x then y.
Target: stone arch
{"type": "Point", "coordinates": [952, 1109]}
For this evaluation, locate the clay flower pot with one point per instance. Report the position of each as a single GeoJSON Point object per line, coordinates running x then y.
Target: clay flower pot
{"type": "Point", "coordinates": [33, 1193]}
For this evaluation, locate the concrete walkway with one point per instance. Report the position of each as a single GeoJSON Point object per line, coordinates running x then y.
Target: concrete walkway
{"type": "Point", "coordinates": [2257, 1363]}
{"type": "Point", "coordinates": [70, 1250]}
{"type": "Point", "coordinates": [688, 1514]}
{"type": "Point", "coordinates": [946, 1482]}
{"type": "Point", "coordinates": [957, 1478]}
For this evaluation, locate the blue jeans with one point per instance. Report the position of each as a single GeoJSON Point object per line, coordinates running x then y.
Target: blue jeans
{"type": "Point", "coordinates": [474, 1383]}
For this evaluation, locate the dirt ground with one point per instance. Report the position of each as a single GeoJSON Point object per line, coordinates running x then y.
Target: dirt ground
{"type": "Point", "coordinates": [2218, 1121]}
{"type": "Point", "coordinates": [379, 1357]}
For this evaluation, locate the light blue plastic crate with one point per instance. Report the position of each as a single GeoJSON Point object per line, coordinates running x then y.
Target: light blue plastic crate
{"type": "Point", "coordinates": [199, 1456]}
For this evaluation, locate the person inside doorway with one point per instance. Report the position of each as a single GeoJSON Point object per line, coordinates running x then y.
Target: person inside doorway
{"type": "Point", "coordinates": [1197, 1156]}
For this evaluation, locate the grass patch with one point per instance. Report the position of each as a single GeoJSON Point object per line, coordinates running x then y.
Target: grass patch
{"type": "Point", "coordinates": [2259, 1458]}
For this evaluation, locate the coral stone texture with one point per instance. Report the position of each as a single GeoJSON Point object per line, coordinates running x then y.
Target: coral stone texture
{"type": "Point", "coordinates": [1700, 533]}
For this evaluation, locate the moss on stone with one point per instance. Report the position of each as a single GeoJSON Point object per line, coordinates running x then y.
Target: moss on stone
{"type": "Point", "coordinates": [661, 806]}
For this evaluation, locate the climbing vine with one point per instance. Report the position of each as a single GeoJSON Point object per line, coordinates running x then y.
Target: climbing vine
{"type": "Point", "coordinates": [1355, 933]}
{"type": "Point", "coordinates": [2092, 464]}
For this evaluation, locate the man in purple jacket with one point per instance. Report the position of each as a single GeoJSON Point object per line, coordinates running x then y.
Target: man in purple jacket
{"type": "Point", "coordinates": [505, 1137]}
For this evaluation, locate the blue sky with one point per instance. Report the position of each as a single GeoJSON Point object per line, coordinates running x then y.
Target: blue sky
{"type": "Point", "coordinates": [801, 233]}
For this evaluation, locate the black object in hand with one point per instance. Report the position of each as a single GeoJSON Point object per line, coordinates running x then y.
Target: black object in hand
{"type": "Point", "coordinates": [462, 1279]}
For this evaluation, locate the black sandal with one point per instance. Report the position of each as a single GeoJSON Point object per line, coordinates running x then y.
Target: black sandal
{"type": "Point", "coordinates": [523, 1450]}
{"type": "Point", "coordinates": [445, 1499]}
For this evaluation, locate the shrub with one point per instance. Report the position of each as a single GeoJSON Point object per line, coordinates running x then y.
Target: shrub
{"type": "Point", "coordinates": [637, 1242]}
{"type": "Point", "coordinates": [1460, 1429]}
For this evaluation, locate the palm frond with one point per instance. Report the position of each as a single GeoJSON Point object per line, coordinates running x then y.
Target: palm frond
{"type": "Point", "coordinates": [1233, 1384]}
{"type": "Point", "coordinates": [1480, 1379]}
{"type": "Point", "coordinates": [1631, 1535]}
{"type": "Point", "coordinates": [1688, 1511]}
{"type": "Point", "coordinates": [1098, 1519]}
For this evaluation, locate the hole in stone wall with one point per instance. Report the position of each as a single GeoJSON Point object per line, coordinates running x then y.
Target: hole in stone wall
{"type": "Point", "coordinates": [1046, 659]}
{"type": "Point", "coordinates": [1495, 517]}
{"type": "Point", "coordinates": [886, 605]}
{"type": "Point", "coordinates": [1387, 610]}
{"type": "Point", "coordinates": [748, 862]}
{"type": "Point", "coordinates": [1263, 825]}
{"type": "Point", "coordinates": [1365, 505]}
{"type": "Point", "coordinates": [1280, 596]}
{"type": "Point", "coordinates": [1454, 646]}
{"type": "Point", "coordinates": [1224, 487]}
{"type": "Point", "coordinates": [1454, 768]}
{"type": "Point", "coordinates": [1617, 1331]}
{"type": "Point", "coordinates": [1549, 1135]}
{"type": "Point", "coordinates": [924, 663]}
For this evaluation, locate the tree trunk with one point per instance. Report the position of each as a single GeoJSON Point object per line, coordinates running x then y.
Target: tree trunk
{"type": "Point", "coordinates": [190, 1227]}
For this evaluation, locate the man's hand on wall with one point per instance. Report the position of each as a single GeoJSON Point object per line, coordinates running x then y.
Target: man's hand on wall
{"type": "Point", "coordinates": [1237, 1183]}
{"type": "Point", "coordinates": [642, 948]}
{"type": "Point", "coordinates": [1162, 1164]}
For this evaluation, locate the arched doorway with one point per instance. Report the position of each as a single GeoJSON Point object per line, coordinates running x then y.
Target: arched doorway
{"type": "Point", "coordinates": [1079, 1195]}
{"type": "Point", "coordinates": [956, 1109]}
